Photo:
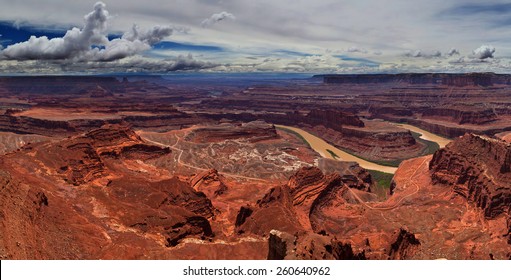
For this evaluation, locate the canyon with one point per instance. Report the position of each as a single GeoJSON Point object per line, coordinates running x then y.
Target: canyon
{"type": "Point", "coordinates": [397, 166]}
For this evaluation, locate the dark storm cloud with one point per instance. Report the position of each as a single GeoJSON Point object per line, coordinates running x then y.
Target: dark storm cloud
{"type": "Point", "coordinates": [135, 64]}
{"type": "Point", "coordinates": [188, 63]}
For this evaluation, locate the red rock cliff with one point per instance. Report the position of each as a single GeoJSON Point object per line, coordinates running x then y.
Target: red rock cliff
{"type": "Point", "coordinates": [333, 119]}
{"type": "Point", "coordinates": [477, 168]}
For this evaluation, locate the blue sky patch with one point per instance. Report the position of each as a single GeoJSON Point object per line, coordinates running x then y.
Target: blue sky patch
{"type": "Point", "coordinates": [12, 35]}
{"type": "Point", "coordinates": [168, 45]}
{"type": "Point", "coordinates": [361, 61]}
{"type": "Point", "coordinates": [473, 9]}
{"type": "Point", "coordinates": [291, 53]}
{"type": "Point", "coordinates": [495, 15]}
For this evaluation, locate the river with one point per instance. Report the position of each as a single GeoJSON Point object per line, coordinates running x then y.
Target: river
{"type": "Point", "coordinates": [321, 146]}
{"type": "Point", "coordinates": [441, 141]}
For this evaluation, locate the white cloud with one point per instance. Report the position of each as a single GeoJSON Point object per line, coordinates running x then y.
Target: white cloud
{"type": "Point", "coordinates": [459, 60]}
{"type": "Point", "coordinates": [134, 63]}
{"type": "Point", "coordinates": [420, 53]}
{"type": "Point", "coordinates": [355, 49]}
{"type": "Point", "coordinates": [151, 36]}
{"type": "Point", "coordinates": [74, 42]}
{"type": "Point", "coordinates": [89, 43]}
{"type": "Point", "coordinates": [484, 52]}
{"type": "Point", "coordinates": [263, 26]}
{"type": "Point", "coordinates": [416, 53]}
{"type": "Point", "coordinates": [453, 51]}
{"type": "Point", "coordinates": [213, 19]}
{"type": "Point", "coordinates": [436, 54]}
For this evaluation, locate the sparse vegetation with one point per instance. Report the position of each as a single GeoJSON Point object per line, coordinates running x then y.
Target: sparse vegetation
{"type": "Point", "coordinates": [381, 178]}
{"type": "Point", "coordinates": [383, 181]}
{"type": "Point", "coordinates": [391, 163]}
{"type": "Point", "coordinates": [431, 147]}
{"type": "Point", "coordinates": [332, 153]}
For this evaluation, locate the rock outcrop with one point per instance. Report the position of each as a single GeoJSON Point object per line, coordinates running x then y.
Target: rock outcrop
{"type": "Point", "coordinates": [333, 119]}
{"type": "Point", "coordinates": [471, 79]}
{"type": "Point", "coordinates": [60, 84]}
{"type": "Point", "coordinates": [351, 173]}
{"type": "Point", "coordinates": [97, 92]}
{"type": "Point", "coordinates": [458, 80]}
{"type": "Point", "coordinates": [179, 193]}
{"type": "Point", "coordinates": [462, 116]}
{"type": "Point", "coordinates": [372, 144]}
{"type": "Point", "coordinates": [306, 184]}
{"type": "Point", "coordinates": [397, 111]}
{"type": "Point", "coordinates": [192, 226]}
{"type": "Point", "coordinates": [252, 131]}
{"type": "Point", "coordinates": [81, 159]}
{"type": "Point", "coordinates": [444, 130]}
{"type": "Point", "coordinates": [209, 182]}
{"type": "Point", "coordinates": [477, 168]}
{"type": "Point", "coordinates": [284, 246]}
{"type": "Point", "coordinates": [243, 214]}
{"type": "Point", "coordinates": [27, 125]}
{"type": "Point", "coordinates": [277, 204]}
{"type": "Point", "coordinates": [96, 195]}
{"type": "Point", "coordinates": [295, 206]}
{"type": "Point", "coordinates": [111, 135]}
{"type": "Point", "coordinates": [309, 182]}
{"type": "Point", "coordinates": [404, 246]}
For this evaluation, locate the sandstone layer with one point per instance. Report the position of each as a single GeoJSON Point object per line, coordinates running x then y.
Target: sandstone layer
{"type": "Point", "coordinates": [477, 168]}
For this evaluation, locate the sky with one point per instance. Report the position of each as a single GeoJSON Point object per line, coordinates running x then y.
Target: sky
{"type": "Point", "coordinates": [321, 36]}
